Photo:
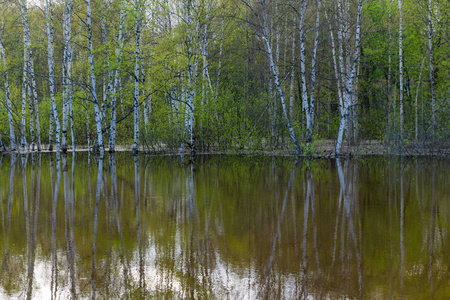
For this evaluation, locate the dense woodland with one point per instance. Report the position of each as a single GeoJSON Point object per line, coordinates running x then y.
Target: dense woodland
{"type": "Point", "coordinates": [240, 75]}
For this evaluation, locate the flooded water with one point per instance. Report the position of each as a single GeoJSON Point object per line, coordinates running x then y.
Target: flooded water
{"type": "Point", "coordinates": [227, 228]}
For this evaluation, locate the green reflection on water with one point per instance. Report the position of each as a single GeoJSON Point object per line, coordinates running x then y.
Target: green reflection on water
{"type": "Point", "coordinates": [228, 227]}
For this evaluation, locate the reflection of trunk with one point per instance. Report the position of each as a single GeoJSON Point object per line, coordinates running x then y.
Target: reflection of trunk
{"type": "Point", "coordinates": [68, 229]}
{"type": "Point", "coordinates": [55, 190]}
{"type": "Point", "coordinates": [432, 230]}
{"type": "Point", "coordinates": [141, 237]}
{"type": "Point", "coordinates": [115, 205]}
{"type": "Point", "coordinates": [31, 213]}
{"type": "Point", "coordinates": [97, 203]}
{"type": "Point", "coordinates": [402, 221]}
{"type": "Point", "coordinates": [280, 221]}
{"type": "Point", "coordinates": [349, 193]}
{"type": "Point", "coordinates": [8, 225]}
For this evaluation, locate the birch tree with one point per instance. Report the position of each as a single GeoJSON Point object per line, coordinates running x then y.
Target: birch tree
{"type": "Point", "coordinates": [119, 51]}
{"type": "Point", "coordinates": [12, 137]}
{"type": "Point", "coordinates": [51, 70]}
{"type": "Point", "coordinates": [400, 64]}
{"type": "Point", "coordinates": [137, 53]}
{"type": "Point", "coordinates": [29, 84]}
{"type": "Point", "coordinates": [67, 71]}
{"type": "Point", "coordinates": [98, 121]}
{"type": "Point", "coordinates": [191, 71]}
{"type": "Point", "coordinates": [431, 67]}
{"type": "Point", "coordinates": [348, 90]}
{"type": "Point", "coordinates": [308, 102]}
{"type": "Point", "coordinates": [267, 44]}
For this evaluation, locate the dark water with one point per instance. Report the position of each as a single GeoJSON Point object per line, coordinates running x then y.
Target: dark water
{"type": "Point", "coordinates": [230, 228]}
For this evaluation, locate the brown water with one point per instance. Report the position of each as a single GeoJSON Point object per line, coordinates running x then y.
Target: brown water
{"type": "Point", "coordinates": [230, 228]}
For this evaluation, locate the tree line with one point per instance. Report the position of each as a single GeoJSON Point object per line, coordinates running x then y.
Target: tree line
{"type": "Point", "coordinates": [208, 75]}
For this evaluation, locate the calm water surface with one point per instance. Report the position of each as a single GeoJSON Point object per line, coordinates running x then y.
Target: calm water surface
{"type": "Point", "coordinates": [228, 228]}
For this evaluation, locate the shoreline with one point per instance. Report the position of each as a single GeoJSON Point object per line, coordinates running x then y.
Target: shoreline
{"type": "Point", "coordinates": [321, 149]}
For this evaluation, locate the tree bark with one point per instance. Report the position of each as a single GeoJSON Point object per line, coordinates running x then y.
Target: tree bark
{"type": "Point", "coordinates": [400, 65]}
{"type": "Point", "coordinates": [349, 85]}
{"type": "Point", "coordinates": [112, 135]}
{"type": "Point", "coordinates": [12, 137]}
{"type": "Point", "coordinates": [51, 72]}
{"type": "Point", "coordinates": [277, 83]}
{"type": "Point", "coordinates": [431, 67]}
{"type": "Point", "coordinates": [98, 121]}
{"type": "Point", "coordinates": [136, 80]}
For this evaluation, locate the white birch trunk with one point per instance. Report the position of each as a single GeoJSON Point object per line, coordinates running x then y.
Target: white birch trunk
{"type": "Point", "coordinates": [308, 104]}
{"type": "Point", "coordinates": [389, 87]}
{"type": "Point", "coordinates": [98, 121]}
{"type": "Point", "coordinates": [67, 61]}
{"type": "Point", "coordinates": [400, 65]}
{"type": "Point", "coordinates": [291, 91]}
{"type": "Point", "coordinates": [335, 65]}
{"type": "Point", "coordinates": [349, 84]}
{"type": "Point", "coordinates": [431, 67]}
{"type": "Point", "coordinates": [415, 102]}
{"type": "Point", "coordinates": [12, 137]}
{"type": "Point", "coordinates": [136, 82]}
{"type": "Point", "coordinates": [29, 82]}
{"type": "Point", "coordinates": [51, 71]}
{"type": "Point", "coordinates": [112, 135]}
{"type": "Point", "coordinates": [35, 102]}
{"type": "Point", "coordinates": [277, 83]}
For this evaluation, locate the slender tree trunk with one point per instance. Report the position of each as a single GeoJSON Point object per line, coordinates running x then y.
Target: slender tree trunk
{"type": "Point", "coordinates": [389, 84]}
{"type": "Point", "coordinates": [112, 136]}
{"type": "Point", "coordinates": [51, 73]}
{"type": "Point", "coordinates": [12, 137]}
{"type": "Point", "coordinates": [335, 65]}
{"type": "Point", "coordinates": [35, 104]}
{"type": "Point", "coordinates": [291, 91]}
{"type": "Point", "coordinates": [98, 121]}
{"type": "Point", "coordinates": [415, 102]}
{"type": "Point", "coordinates": [351, 77]}
{"type": "Point", "coordinates": [66, 70]}
{"type": "Point", "coordinates": [400, 65]}
{"type": "Point", "coordinates": [278, 85]}
{"type": "Point", "coordinates": [136, 81]}
{"type": "Point", "coordinates": [431, 67]}
{"type": "Point", "coordinates": [29, 82]}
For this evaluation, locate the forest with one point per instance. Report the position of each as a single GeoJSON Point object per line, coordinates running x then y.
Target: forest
{"type": "Point", "coordinates": [226, 75]}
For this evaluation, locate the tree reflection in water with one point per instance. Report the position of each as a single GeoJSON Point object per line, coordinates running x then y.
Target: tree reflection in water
{"type": "Point", "coordinates": [228, 227]}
